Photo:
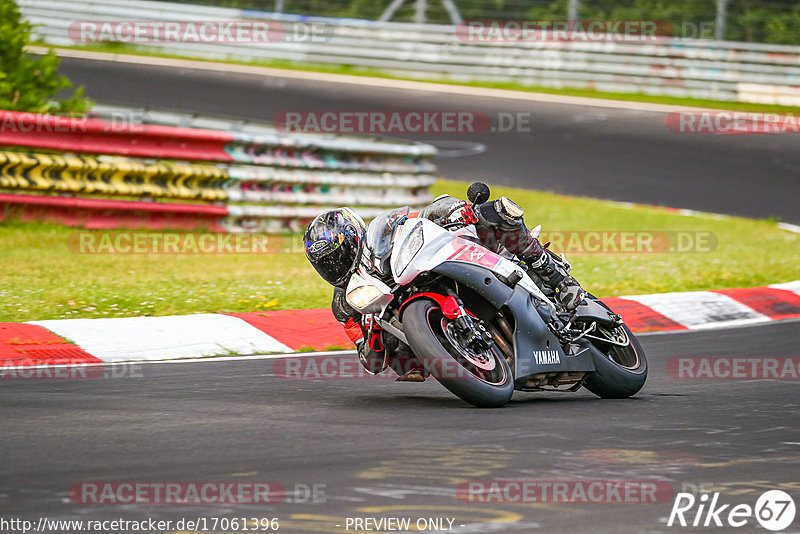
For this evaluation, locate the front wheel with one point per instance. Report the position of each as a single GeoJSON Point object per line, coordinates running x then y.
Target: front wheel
{"type": "Point", "coordinates": [620, 363]}
{"type": "Point", "coordinates": [481, 379]}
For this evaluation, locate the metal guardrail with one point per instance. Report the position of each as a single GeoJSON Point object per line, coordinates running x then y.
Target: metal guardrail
{"type": "Point", "coordinates": [113, 175]}
{"type": "Point", "coordinates": [262, 180]}
{"type": "Point", "coordinates": [255, 133]}
{"type": "Point", "coordinates": [687, 68]}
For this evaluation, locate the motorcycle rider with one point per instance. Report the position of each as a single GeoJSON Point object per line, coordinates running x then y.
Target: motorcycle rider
{"type": "Point", "coordinates": [334, 242]}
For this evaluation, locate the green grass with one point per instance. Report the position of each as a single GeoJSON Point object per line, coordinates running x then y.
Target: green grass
{"type": "Point", "coordinates": [124, 48]}
{"type": "Point", "coordinates": [747, 253]}
{"type": "Point", "coordinates": [42, 278]}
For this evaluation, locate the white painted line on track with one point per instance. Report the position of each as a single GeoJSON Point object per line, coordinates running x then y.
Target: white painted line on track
{"type": "Point", "coordinates": [789, 227]}
{"type": "Point", "coordinates": [724, 326]}
{"type": "Point", "coordinates": [205, 359]}
{"type": "Point", "coordinates": [366, 81]}
{"type": "Point", "coordinates": [278, 356]}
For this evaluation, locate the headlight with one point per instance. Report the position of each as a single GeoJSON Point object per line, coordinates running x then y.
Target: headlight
{"type": "Point", "coordinates": [409, 248]}
{"type": "Point", "coordinates": [363, 296]}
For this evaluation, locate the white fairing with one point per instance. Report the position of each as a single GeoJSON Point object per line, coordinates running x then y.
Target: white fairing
{"type": "Point", "coordinates": [440, 245]}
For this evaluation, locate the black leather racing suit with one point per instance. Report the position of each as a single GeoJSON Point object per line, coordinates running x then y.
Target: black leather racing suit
{"type": "Point", "coordinates": [498, 228]}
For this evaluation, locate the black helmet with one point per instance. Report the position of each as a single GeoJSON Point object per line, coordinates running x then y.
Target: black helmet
{"type": "Point", "coordinates": [333, 244]}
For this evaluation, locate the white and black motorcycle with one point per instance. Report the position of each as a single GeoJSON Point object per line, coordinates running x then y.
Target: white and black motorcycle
{"type": "Point", "coordinates": [480, 322]}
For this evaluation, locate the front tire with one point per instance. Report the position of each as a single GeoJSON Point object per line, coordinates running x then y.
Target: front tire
{"type": "Point", "coordinates": [424, 326]}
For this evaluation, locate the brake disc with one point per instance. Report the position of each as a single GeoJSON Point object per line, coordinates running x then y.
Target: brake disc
{"type": "Point", "coordinates": [483, 360]}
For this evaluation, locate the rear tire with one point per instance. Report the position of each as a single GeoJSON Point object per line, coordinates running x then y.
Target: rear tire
{"type": "Point", "coordinates": [422, 324]}
{"type": "Point", "coordinates": [619, 372]}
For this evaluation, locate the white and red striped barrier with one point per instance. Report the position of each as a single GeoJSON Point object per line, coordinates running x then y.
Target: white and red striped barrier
{"type": "Point", "coordinates": [200, 335]}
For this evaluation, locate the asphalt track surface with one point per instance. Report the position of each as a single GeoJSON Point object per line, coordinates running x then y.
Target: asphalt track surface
{"type": "Point", "coordinates": [380, 448]}
{"type": "Point", "coordinates": [388, 449]}
{"type": "Point", "coordinates": [618, 154]}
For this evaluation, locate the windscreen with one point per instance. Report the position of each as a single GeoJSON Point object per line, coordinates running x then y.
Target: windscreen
{"type": "Point", "coordinates": [379, 234]}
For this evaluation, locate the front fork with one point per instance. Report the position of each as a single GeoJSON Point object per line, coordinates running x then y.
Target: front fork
{"type": "Point", "coordinates": [468, 331]}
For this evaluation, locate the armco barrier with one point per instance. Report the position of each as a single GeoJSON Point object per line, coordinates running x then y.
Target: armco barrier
{"type": "Point", "coordinates": [153, 140]}
{"type": "Point", "coordinates": [75, 134]}
{"type": "Point", "coordinates": [104, 213]}
{"type": "Point", "coordinates": [99, 175]}
{"type": "Point", "coordinates": [251, 179]}
{"type": "Point", "coordinates": [719, 70]}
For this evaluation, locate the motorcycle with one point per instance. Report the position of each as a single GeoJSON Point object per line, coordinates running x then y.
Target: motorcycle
{"type": "Point", "coordinates": [479, 322]}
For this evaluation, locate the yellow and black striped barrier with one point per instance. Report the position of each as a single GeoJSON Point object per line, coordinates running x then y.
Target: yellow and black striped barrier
{"type": "Point", "coordinates": [111, 175]}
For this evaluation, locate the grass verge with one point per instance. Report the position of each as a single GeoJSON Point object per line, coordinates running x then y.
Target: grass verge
{"type": "Point", "coordinates": [43, 278]}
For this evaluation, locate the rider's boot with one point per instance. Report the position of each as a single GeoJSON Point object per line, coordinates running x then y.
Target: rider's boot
{"type": "Point", "coordinates": [554, 275]}
{"type": "Point", "coordinates": [413, 375]}
{"type": "Point", "coordinates": [404, 363]}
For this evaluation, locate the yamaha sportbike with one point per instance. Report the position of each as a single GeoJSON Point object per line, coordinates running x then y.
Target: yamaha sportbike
{"type": "Point", "coordinates": [481, 323]}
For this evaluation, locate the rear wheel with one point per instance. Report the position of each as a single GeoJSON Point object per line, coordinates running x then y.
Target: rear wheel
{"type": "Point", "coordinates": [620, 363]}
{"type": "Point", "coordinates": [481, 378]}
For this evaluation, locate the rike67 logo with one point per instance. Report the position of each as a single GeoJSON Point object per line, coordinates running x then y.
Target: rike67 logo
{"type": "Point", "coordinates": [774, 510]}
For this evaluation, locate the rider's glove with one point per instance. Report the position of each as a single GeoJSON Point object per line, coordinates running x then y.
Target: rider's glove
{"type": "Point", "coordinates": [461, 214]}
{"type": "Point", "coordinates": [501, 214]}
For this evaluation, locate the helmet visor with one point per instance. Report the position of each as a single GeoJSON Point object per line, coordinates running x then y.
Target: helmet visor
{"type": "Point", "coordinates": [334, 266]}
